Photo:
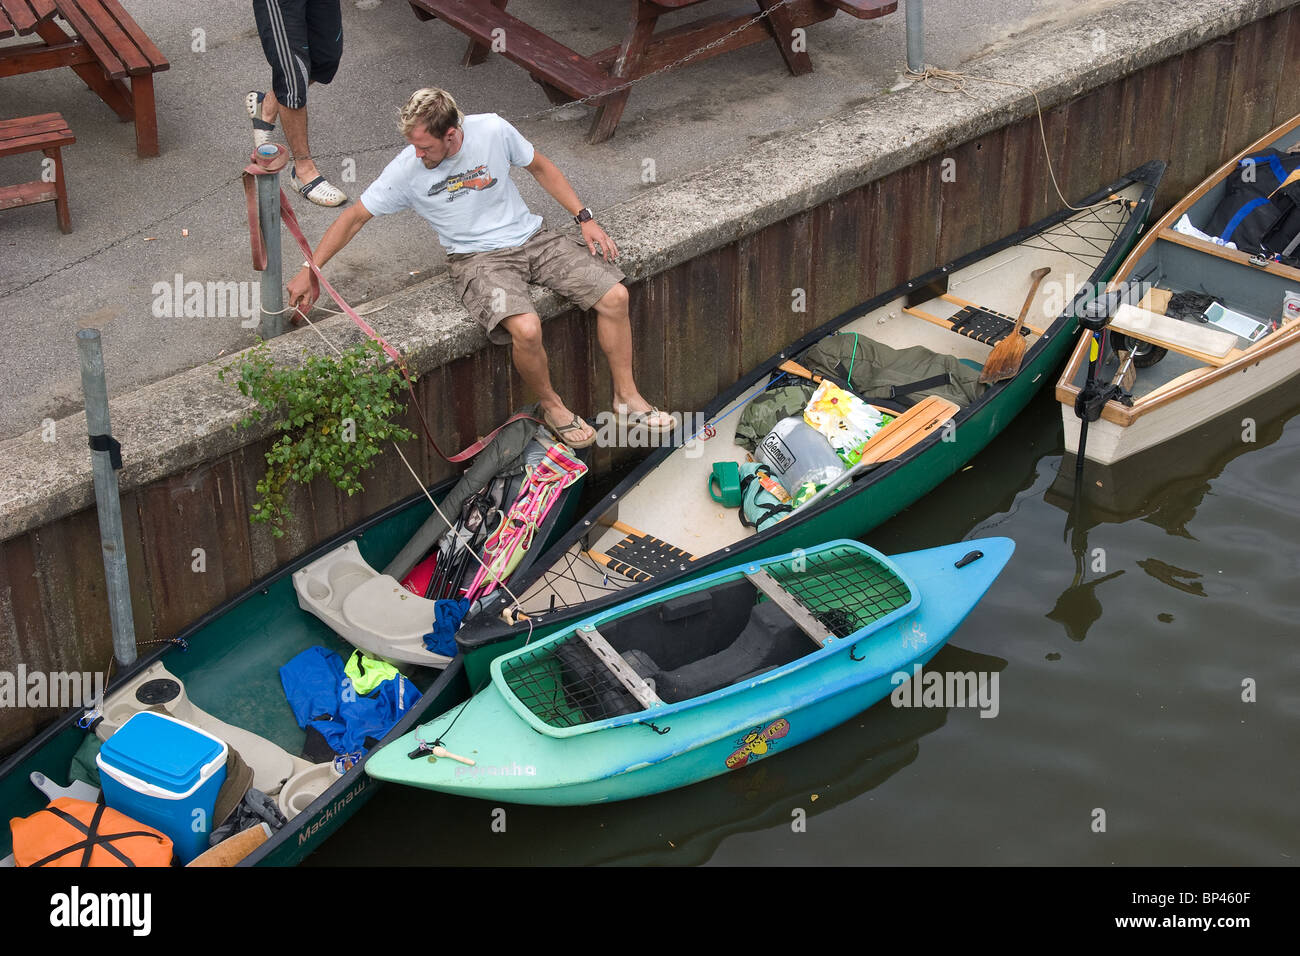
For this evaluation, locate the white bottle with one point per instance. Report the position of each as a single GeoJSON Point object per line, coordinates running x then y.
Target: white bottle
{"type": "Point", "coordinates": [797, 453]}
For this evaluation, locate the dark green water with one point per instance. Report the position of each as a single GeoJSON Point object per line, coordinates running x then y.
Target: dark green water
{"type": "Point", "coordinates": [1120, 690]}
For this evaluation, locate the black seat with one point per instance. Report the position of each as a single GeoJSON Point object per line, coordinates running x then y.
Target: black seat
{"type": "Point", "coordinates": [770, 639]}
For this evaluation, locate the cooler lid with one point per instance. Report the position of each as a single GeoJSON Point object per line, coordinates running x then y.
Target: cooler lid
{"type": "Point", "coordinates": [162, 750]}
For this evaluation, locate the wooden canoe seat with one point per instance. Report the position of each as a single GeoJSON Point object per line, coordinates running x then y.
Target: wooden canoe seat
{"type": "Point", "coordinates": [1200, 342]}
{"type": "Point", "coordinates": [48, 133]}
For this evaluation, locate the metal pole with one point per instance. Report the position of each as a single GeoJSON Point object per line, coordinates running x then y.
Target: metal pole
{"type": "Point", "coordinates": [107, 502]}
{"type": "Point", "coordinates": [274, 321]}
{"type": "Point", "coordinates": [915, 37]}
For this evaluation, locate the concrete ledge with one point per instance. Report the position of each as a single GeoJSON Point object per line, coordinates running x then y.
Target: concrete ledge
{"type": "Point", "coordinates": [173, 425]}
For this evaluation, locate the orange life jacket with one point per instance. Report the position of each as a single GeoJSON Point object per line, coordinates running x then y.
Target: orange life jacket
{"type": "Point", "coordinates": [77, 833]}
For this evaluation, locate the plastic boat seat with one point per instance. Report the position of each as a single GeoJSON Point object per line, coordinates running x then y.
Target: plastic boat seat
{"type": "Point", "coordinates": [367, 609]}
{"type": "Point", "coordinates": [770, 639]}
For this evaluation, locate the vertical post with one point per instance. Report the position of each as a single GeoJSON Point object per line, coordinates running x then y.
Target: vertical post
{"type": "Point", "coordinates": [915, 37]}
{"type": "Point", "coordinates": [108, 504]}
{"type": "Point", "coordinates": [274, 321]}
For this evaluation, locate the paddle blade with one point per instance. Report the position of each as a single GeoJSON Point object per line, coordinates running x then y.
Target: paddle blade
{"type": "Point", "coordinates": [1004, 361]}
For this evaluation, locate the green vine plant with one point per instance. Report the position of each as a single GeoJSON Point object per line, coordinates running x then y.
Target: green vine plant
{"type": "Point", "coordinates": [336, 413]}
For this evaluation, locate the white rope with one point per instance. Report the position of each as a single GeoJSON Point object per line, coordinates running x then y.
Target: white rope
{"type": "Point", "coordinates": [956, 81]}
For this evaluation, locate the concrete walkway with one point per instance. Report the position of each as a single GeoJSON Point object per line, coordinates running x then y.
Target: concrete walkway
{"type": "Point", "coordinates": [129, 214]}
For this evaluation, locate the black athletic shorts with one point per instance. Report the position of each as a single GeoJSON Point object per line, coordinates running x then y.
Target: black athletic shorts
{"type": "Point", "coordinates": [303, 42]}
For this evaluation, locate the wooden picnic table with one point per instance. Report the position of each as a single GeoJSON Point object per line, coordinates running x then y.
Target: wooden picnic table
{"type": "Point", "coordinates": [566, 75]}
{"type": "Point", "coordinates": [106, 48]}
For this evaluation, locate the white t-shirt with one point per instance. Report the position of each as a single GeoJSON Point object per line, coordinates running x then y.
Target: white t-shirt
{"type": "Point", "coordinates": [469, 198]}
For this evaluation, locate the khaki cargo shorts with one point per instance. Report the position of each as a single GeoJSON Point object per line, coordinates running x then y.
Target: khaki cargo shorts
{"type": "Point", "coordinates": [493, 285]}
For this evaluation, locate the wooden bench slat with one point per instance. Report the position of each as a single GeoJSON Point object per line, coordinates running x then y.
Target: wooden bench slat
{"type": "Point", "coordinates": [27, 194]}
{"type": "Point", "coordinates": [154, 56]}
{"type": "Point", "coordinates": [38, 141]}
{"type": "Point", "coordinates": [23, 122]}
{"type": "Point", "coordinates": [525, 45]}
{"type": "Point", "coordinates": [865, 9]}
{"type": "Point", "coordinates": [107, 26]}
{"type": "Point", "coordinates": [113, 66]}
{"type": "Point", "coordinates": [20, 15]}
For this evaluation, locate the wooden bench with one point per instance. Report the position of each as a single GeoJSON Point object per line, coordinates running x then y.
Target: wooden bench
{"type": "Point", "coordinates": [107, 50]}
{"type": "Point", "coordinates": [567, 75]}
{"type": "Point", "coordinates": [47, 133]}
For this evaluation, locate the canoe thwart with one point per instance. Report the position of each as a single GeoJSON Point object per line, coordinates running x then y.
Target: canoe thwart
{"type": "Point", "coordinates": [612, 659]}
{"type": "Point", "coordinates": [1209, 345]}
{"type": "Point", "coordinates": [790, 604]}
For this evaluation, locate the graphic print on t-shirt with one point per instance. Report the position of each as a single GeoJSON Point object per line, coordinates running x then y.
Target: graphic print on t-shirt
{"type": "Point", "coordinates": [477, 178]}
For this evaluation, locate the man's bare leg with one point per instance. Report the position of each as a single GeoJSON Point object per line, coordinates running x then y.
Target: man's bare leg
{"type": "Point", "coordinates": [295, 134]}
{"type": "Point", "coordinates": [614, 332]}
{"type": "Point", "coordinates": [530, 359]}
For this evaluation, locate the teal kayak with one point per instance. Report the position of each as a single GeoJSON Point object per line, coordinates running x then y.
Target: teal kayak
{"type": "Point", "coordinates": [699, 678]}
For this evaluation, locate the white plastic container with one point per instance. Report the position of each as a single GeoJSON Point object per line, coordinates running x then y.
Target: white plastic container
{"type": "Point", "coordinates": [1290, 307]}
{"type": "Point", "coordinates": [797, 453]}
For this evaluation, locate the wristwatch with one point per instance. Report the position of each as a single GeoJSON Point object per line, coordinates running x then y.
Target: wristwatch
{"type": "Point", "coordinates": [584, 215]}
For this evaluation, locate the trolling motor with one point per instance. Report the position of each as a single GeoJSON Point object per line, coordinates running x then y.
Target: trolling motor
{"type": "Point", "coordinates": [1094, 316]}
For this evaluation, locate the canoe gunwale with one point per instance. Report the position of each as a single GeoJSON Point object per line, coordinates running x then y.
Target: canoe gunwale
{"type": "Point", "coordinates": [833, 645]}
{"type": "Point", "coordinates": [489, 629]}
{"type": "Point", "coordinates": [1066, 391]}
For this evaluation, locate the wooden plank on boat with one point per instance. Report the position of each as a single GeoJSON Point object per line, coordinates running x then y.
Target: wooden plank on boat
{"type": "Point", "coordinates": [1232, 255]}
{"type": "Point", "coordinates": [613, 660]}
{"type": "Point", "coordinates": [1208, 345]}
{"type": "Point", "coordinates": [790, 604]}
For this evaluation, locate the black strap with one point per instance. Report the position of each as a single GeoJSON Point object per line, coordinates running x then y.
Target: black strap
{"type": "Point", "coordinates": [1088, 403]}
{"type": "Point", "coordinates": [111, 445]}
{"type": "Point", "coordinates": [934, 381]}
{"type": "Point", "coordinates": [93, 838]}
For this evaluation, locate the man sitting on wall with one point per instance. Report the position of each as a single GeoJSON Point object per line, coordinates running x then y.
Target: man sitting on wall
{"type": "Point", "coordinates": [456, 173]}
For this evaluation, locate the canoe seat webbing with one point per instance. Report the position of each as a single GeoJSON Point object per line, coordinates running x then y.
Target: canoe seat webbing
{"type": "Point", "coordinates": [983, 325]}
{"type": "Point", "coordinates": [641, 556]}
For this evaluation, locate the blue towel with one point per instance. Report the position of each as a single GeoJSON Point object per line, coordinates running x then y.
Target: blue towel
{"type": "Point", "coordinates": [447, 616]}
{"type": "Point", "coordinates": [323, 699]}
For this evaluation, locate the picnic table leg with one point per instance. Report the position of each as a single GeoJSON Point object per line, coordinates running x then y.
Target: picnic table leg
{"type": "Point", "coordinates": [146, 115]}
{"type": "Point", "coordinates": [91, 73]}
{"type": "Point", "coordinates": [640, 29]}
{"type": "Point", "coordinates": [61, 211]}
{"type": "Point", "coordinates": [477, 52]}
{"type": "Point", "coordinates": [782, 26]}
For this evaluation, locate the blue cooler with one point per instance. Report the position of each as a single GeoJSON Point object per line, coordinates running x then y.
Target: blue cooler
{"type": "Point", "coordinates": [164, 773]}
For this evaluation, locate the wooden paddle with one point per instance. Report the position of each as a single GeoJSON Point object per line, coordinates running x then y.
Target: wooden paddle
{"type": "Point", "coordinates": [1004, 361]}
{"type": "Point", "coordinates": [792, 367]}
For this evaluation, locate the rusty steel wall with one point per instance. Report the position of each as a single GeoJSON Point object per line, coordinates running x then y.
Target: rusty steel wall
{"type": "Point", "coordinates": [697, 327]}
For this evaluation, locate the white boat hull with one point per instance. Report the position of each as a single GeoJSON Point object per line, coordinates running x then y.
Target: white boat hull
{"type": "Point", "coordinates": [1214, 396]}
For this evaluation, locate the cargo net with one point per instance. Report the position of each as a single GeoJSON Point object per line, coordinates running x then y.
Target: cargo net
{"type": "Point", "coordinates": [565, 684]}
{"type": "Point", "coordinates": [845, 589]}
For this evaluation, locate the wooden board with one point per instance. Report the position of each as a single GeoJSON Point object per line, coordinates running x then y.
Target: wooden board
{"type": "Point", "coordinates": [1209, 345]}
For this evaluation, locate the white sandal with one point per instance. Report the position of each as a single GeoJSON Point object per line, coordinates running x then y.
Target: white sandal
{"type": "Point", "coordinates": [319, 190]}
{"type": "Point", "coordinates": [262, 130]}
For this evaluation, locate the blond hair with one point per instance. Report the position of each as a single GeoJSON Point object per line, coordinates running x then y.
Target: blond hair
{"type": "Point", "coordinates": [432, 108]}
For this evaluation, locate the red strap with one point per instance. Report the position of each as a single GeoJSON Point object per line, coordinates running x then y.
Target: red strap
{"type": "Point", "coordinates": [265, 162]}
